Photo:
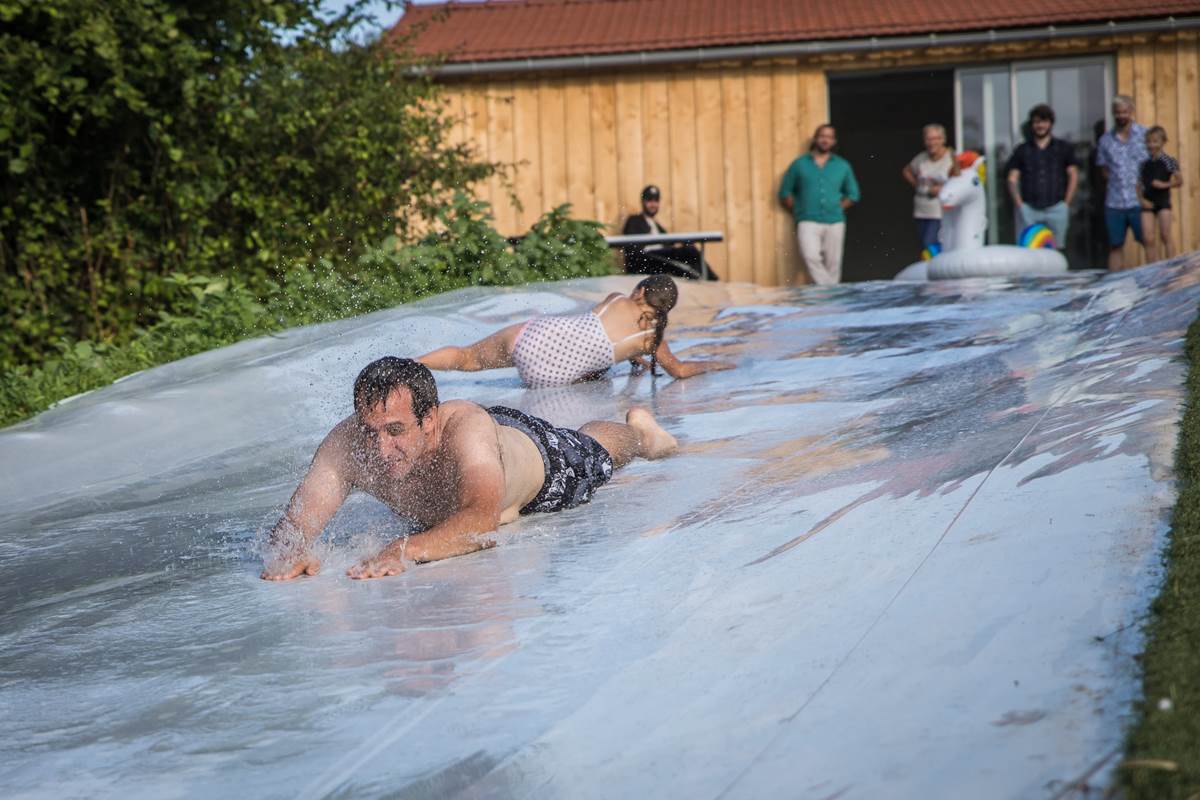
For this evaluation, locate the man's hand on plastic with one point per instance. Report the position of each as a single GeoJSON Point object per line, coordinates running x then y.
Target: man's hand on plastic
{"type": "Point", "coordinates": [286, 570]}
{"type": "Point", "coordinates": [381, 566]}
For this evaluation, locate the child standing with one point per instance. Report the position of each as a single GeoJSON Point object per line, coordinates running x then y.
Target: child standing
{"type": "Point", "coordinates": [1159, 175]}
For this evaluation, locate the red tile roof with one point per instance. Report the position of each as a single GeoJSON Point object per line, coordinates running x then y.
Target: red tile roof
{"type": "Point", "coordinates": [505, 29]}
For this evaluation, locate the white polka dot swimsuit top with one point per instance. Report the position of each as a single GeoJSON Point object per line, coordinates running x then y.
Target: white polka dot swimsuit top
{"type": "Point", "coordinates": [560, 350]}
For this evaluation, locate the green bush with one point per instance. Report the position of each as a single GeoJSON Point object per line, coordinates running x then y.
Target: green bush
{"type": "Point", "coordinates": [239, 138]}
{"type": "Point", "coordinates": [210, 312]}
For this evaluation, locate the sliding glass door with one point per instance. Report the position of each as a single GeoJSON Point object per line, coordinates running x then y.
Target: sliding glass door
{"type": "Point", "coordinates": [986, 126]}
{"type": "Point", "coordinates": [992, 104]}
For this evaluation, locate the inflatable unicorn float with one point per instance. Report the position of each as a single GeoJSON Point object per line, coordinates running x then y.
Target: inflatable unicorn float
{"type": "Point", "coordinates": [962, 253]}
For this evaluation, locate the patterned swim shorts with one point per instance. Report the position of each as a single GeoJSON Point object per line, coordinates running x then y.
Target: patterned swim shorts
{"type": "Point", "coordinates": [576, 464]}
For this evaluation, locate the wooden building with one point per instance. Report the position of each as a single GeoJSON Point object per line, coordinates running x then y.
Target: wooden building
{"type": "Point", "coordinates": [590, 100]}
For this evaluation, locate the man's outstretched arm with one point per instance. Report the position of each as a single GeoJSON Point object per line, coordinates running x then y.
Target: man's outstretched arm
{"type": "Point", "coordinates": [480, 494]}
{"type": "Point", "coordinates": [315, 501]}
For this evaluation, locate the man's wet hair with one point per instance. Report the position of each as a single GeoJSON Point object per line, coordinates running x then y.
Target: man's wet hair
{"type": "Point", "coordinates": [380, 378]}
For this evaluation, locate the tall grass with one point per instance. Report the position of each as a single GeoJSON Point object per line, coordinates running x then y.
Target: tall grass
{"type": "Point", "coordinates": [1163, 749]}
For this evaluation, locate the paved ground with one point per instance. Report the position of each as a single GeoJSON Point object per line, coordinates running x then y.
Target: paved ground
{"type": "Point", "coordinates": [904, 553]}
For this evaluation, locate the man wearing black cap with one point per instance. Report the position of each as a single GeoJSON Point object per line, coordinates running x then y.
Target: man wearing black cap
{"type": "Point", "coordinates": [680, 261]}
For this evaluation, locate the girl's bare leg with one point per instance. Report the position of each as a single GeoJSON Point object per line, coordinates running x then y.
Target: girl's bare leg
{"type": "Point", "coordinates": [639, 437]}
{"type": "Point", "coordinates": [1149, 237]}
{"type": "Point", "coordinates": [491, 353]}
{"type": "Point", "coordinates": [1164, 232]}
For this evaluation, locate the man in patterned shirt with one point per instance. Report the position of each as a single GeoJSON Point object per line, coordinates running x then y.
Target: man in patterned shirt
{"type": "Point", "coordinates": [1120, 155]}
{"type": "Point", "coordinates": [456, 469]}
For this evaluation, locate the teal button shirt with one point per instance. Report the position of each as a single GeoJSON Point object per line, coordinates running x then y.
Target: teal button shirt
{"type": "Point", "coordinates": [817, 192]}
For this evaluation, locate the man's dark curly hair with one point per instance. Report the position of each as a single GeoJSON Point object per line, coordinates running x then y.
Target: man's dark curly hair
{"type": "Point", "coordinates": [379, 378]}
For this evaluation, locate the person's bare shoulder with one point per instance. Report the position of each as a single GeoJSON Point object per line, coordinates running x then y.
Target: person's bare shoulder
{"type": "Point", "coordinates": [461, 409]}
{"type": "Point", "coordinates": [343, 435]}
{"type": "Point", "coordinates": [464, 419]}
{"type": "Point", "coordinates": [468, 431]}
{"type": "Point", "coordinates": [616, 299]}
{"type": "Point", "coordinates": [339, 446]}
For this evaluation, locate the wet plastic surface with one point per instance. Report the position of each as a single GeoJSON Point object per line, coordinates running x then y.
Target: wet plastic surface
{"type": "Point", "coordinates": [904, 553]}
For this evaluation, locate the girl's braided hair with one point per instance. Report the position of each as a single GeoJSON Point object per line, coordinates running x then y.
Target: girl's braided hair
{"type": "Point", "coordinates": [661, 294]}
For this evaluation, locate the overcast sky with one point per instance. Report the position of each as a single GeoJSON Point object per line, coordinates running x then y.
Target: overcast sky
{"type": "Point", "coordinates": [383, 16]}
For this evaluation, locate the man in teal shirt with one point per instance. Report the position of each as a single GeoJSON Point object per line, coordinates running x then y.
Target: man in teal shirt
{"type": "Point", "coordinates": [817, 188]}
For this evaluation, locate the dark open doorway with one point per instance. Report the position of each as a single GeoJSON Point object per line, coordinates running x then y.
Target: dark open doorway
{"type": "Point", "coordinates": [879, 119]}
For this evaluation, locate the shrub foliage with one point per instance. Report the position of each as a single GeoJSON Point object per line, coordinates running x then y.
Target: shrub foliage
{"type": "Point", "coordinates": [211, 311]}
{"type": "Point", "coordinates": [144, 139]}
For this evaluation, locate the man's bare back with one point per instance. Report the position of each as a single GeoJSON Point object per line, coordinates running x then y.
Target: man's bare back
{"type": "Point", "coordinates": [451, 467]}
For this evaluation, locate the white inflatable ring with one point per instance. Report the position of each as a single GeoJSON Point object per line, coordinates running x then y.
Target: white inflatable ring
{"type": "Point", "coordinates": [993, 261]}
{"type": "Point", "coordinates": [996, 261]}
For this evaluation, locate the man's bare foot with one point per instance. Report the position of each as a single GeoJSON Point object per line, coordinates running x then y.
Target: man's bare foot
{"type": "Point", "coordinates": [656, 443]}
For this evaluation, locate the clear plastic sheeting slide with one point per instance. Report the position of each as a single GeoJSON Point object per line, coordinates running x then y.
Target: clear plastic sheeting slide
{"type": "Point", "coordinates": [904, 552]}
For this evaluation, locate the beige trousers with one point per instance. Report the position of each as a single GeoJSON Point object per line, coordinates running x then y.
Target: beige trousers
{"type": "Point", "coordinates": [821, 249]}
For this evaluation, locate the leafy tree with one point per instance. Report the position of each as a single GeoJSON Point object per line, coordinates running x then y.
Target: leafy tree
{"type": "Point", "coordinates": [144, 138]}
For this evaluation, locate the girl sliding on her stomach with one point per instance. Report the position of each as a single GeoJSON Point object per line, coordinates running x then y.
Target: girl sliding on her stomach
{"type": "Point", "coordinates": [558, 350]}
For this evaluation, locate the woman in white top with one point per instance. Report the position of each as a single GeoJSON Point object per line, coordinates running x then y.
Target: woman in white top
{"type": "Point", "coordinates": [563, 349]}
{"type": "Point", "coordinates": [926, 173]}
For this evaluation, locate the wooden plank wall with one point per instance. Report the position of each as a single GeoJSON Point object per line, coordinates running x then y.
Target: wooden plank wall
{"type": "Point", "coordinates": [1161, 77]}
{"type": "Point", "coordinates": [717, 138]}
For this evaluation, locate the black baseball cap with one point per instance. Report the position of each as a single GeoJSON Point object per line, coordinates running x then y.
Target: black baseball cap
{"type": "Point", "coordinates": [651, 192]}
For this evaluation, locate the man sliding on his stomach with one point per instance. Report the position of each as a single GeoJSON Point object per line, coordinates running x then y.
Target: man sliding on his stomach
{"type": "Point", "coordinates": [458, 469]}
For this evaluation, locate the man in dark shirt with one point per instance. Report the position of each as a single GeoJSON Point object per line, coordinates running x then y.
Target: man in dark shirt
{"type": "Point", "coordinates": [1042, 177]}
{"type": "Point", "coordinates": [681, 261]}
